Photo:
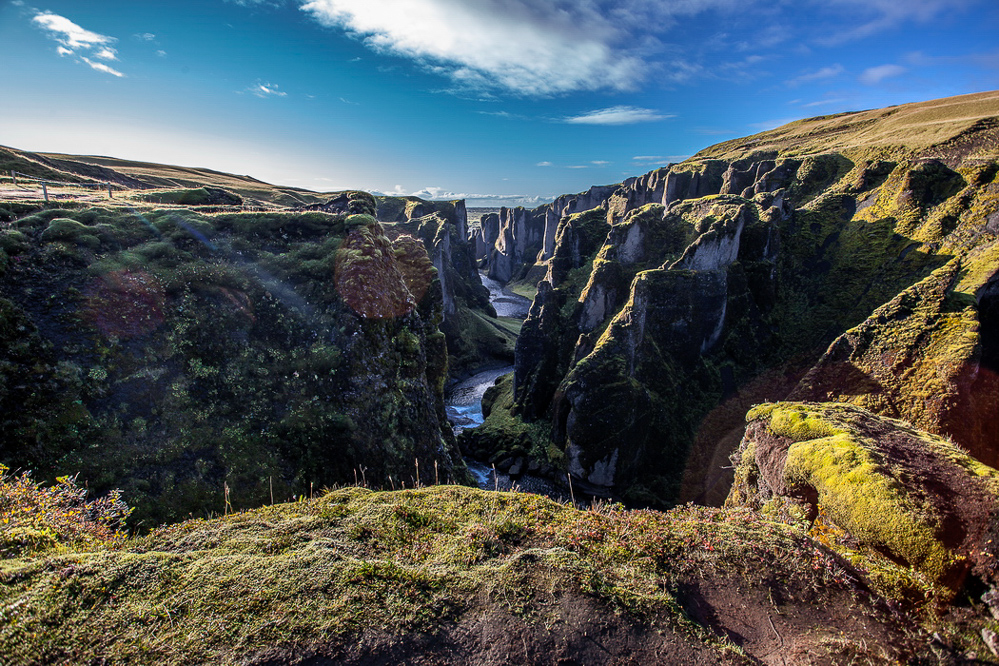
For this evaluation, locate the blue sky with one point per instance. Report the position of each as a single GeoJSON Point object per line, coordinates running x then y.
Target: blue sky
{"type": "Point", "coordinates": [505, 101]}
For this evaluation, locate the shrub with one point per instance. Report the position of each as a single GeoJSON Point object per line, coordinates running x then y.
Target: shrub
{"type": "Point", "coordinates": [34, 518]}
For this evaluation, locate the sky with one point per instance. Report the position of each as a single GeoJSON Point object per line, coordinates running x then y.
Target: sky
{"type": "Point", "coordinates": [500, 102]}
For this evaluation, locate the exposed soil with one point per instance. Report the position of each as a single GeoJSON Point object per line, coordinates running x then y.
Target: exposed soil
{"type": "Point", "coordinates": [740, 626]}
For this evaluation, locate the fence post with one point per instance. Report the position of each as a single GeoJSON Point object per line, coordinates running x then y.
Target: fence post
{"type": "Point", "coordinates": [45, 191]}
{"type": "Point", "coordinates": [13, 175]}
{"type": "Point", "coordinates": [109, 190]}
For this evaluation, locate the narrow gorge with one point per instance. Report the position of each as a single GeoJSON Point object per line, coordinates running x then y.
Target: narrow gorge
{"type": "Point", "coordinates": [746, 416]}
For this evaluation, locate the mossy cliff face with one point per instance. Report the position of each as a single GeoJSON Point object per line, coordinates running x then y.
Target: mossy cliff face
{"type": "Point", "coordinates": [921, 357]}
{"type": "Point", "coordinates": [170, 353]}
{"type": "Point", "coordinates": [879, 491]}
{"type": "Point", "coordinates": [734, 284]}
{"type": "Point", "coordinates": [474, 337]}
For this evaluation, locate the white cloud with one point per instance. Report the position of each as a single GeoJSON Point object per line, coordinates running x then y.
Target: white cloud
{"type": "Point", "coordinates": [76, 41]}
{"type": "Point", "coordinates": [266, 90]}
{"type": "Point", "coordinates": [101, 67]}
{"type": "Point", "coordinates": [441, 194]}
{"type": "Point", "coordinates": [818, 75]}
{"type": "Point", "coordinates": [546, 163]}
{"type": "Point", "coordinates": [145, 36]}
{"type": "Point", "coordinates": [534, 47]}
{"type": "Point", "coordinates": [68, 33]}
{"type": "Point", "coordinates": [618, 115]}
{"type": "Point", "coordinates": [599, 162]}
{"type": "Point", "coordinates": [875, 75]}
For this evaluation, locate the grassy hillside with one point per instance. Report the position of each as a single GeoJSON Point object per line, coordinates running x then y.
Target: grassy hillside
{"type": "Point", "coordinates": [134, 175]}
{"type": "Point", "coordinates": [937, 124]}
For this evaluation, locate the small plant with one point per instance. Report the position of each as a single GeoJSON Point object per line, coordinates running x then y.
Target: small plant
{"type": "Point", "coordinates": [34, 518]}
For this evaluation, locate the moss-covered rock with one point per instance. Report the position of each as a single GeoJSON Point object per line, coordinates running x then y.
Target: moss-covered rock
{"type": "Point", "coordinates": [201, 196]}
{"type": "Point", "coordinates": [891, 491]}
{"type": "Point", "coordinates": [919, 358]}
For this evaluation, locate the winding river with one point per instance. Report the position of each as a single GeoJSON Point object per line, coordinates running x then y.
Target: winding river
{"type": "Point", "coordinates": [464, 399]}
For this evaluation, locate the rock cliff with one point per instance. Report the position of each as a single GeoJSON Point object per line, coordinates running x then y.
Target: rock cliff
{"type": "Point", "coordinates": [474, 336]}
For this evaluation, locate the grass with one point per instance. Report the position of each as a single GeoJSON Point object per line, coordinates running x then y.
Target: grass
{"type": "Point", "coordinates": [912, 127]}
{"type": "Point", "coordinates": [526, 290]}
{"type": "Point", "coordinates": [323, 572]}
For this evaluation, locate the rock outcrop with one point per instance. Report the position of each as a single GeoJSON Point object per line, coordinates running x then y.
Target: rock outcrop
{"type": "Point", "coordinates": [474, 336]}
{"type": "Point", "coordinates": [877, 490]}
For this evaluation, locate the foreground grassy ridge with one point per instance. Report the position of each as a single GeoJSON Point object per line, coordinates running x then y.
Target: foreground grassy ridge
{"type": "Point", "coordinates": [319, 574]}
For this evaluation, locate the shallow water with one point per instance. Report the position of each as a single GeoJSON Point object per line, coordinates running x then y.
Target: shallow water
{"type": "Point", "coordinates": [464, 400]}
{"type": "Point", "coordinates": [507, 303]}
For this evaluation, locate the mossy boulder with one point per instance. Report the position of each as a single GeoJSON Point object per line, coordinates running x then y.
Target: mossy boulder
{"type": "Point", "coordinates": [892, 493]}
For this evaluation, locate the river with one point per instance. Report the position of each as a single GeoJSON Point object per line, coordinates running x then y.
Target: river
{"type": "Point", "coordinates": [464, 399]}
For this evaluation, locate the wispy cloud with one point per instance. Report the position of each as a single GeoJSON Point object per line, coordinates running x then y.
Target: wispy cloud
{"type": "Point", "coordinates": [79, 43]}
{"type": "Point", "coordinates": [617, 115]}
{"type": "Point", "coordinates": [599, 163]}
{"type": "Point", "coordinates": [870, 17]}
{"type": "Point", "coordinates": [872, 76]}
{"type": "Point", "coordinates": [266, 90]}
{"type": "Point", "coordinates": [101, 67]}
{"type": "Point", "coordinates": [532, 47]}
{"type": "Point", "coordinates": [656, 160]}
{"type": "Point", "coordinates": [818, 75]}
{"type": "Point", "coordinates": [773, 123]}
{"type": "Point", "coordinates": [824, 102]}
{"type": "Point", "coordinates": [544, 164]}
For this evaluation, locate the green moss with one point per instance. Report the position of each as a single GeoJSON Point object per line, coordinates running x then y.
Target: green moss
{"type": "Point", "coordinates": [796, 422]}
{"type": "Point", "coordinates": [201, 196]}
{"type": "Point", "coordinates": [856, 487]}
{"type": "Point", "coordinates": [65, 229]}
{"type": "Point", "coordinates": [13, 241]}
